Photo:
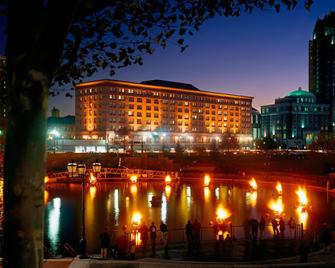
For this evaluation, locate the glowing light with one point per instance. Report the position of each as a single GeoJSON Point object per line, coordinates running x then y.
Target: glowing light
{"type": "Point", "coordinates": [222, 214]}
{"type": "Point", "coordinates": [276, 206]}
{"type": "Point", "coordinates": [253, 184]}
{"type": "Point", "coordinates": [279, 188]}
{"type": "Point", "coordinates": [54, 222]}
{"type": "Point", "coordinates": [133, 178]}
{"type": "Point", "coordinates": [133, 189]}
{"type": "Point", "coordinates": [217, 193]}
{"type": "Point", "coordinates": [93, 192]}
{"type": "Point", "coordinates": [46, 179]}
{"type": "Point", "coordinates": [251, 198]}
{"type": "Point", "coordinates": [93, 179]}
{"type": "Point", "coordinates": [168, 191]}
{"type": "Point", "coordinates": [167, 179]}
{"type": "Point", "coordinates": [46, 196]}
{"type": "Point", "coordinates": [207, 193]}
{"type": "Point", "coordinates": [302, 196]}
{"type": "Point", "coordinates": [136, 219]}
{"type": "Point", "coordinates": [207, 180]}
{"type": "Point", "coordinates": [116, 207]}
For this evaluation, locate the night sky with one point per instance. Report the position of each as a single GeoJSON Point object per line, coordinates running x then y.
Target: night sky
{"type": "Point", "coordinates": [263, 54]}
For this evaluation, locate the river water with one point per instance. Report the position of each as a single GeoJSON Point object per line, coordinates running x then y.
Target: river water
{"type": "Point", "coordinates": [112, 205]}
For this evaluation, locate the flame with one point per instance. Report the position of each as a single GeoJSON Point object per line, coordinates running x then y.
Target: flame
{"type": "Point", "coordinates": [279, 188]}
{"type": "Point", "coordinates": [168, 191]}
{"type": "Point", "coordinates": [46, 179]}
{"type": "Point", "coordinates": [302, 196]}
{"type": "Point", "coordinates": [253, 184]}
{"type": "Point", "coordinates": [222, 214]}
{"type": "Point", "coordinates": [133, 189]}
{"type": "Point", "coordinates": [136, 219]}
{"type": "Point", "coordinates": [133, 178]}
{"type": "Point", "coordinates": [207, 180]}
{"type": "Point", "coordinates": [276, 205]}
{"type": "Point", "coordinates": [167, 179]}
{"type": "Point", "coordinates": [93, 179]}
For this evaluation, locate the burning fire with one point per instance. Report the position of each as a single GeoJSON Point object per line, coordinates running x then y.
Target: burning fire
{"type": "Point", "coordinates": [133, 189]}
{"type": "Point", "coordinates": [253, 184]}
{"type": "Point", "coordinates": [276, 205]}
{"type": "Point", "coordinates": [136, 219]}
{"type": "Point", "coordinates": [222, 214]}
{"type": "Point", "coordinates": [302, 196]}
{"type": "Point", "coordinates": [93, 179]}
{"type": "Point", "coordinates": [46, 179]}
{"type": "Point", "coordinates": [207, 180]}
{"type": "Point", "coordinates": [133, 178]}
{"type": "Point", "coordinates": [93, 191]}
{"type": "Point", "coordinates": [167, 179]}
{"type": "Point", "coordinates": [279, 188]}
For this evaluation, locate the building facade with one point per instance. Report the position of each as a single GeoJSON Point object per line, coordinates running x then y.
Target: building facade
{"type": "Point", "coordinates": [322, 64]}
{"type": "Point", "coordinates": [158, 112]}
{"type": "Point", "coordinates": [295, 119]}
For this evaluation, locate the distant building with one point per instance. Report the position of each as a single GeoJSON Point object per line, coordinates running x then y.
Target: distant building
{"type": "Point", "coordinates": [322, 64]}
{"type": "Point", "coordinates": [294, 119]}
{"type": "Point", "coordinates": [159, 113]}
{"type": "Point", "coordinates": [256, 124]}
{"type": "Point", "coordinates": [65, 126]}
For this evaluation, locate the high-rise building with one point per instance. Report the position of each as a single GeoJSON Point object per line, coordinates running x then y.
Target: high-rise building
{"type": "Point", "coordinates": [322, 64]}
{"type": "Point", "coordinates": [295, 119]}
{"type": "Point", "coordinates": [159, 111]}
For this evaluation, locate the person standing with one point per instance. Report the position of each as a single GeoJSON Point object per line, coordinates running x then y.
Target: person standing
{"type": "Point", "coordinates": [275, 227]}
{"type": "Point", "coordinates": [282, 227]}
{"type": "Point", "coordinates": [291, 225]}
{"type": "Point", "coordinates": [164, 231]}
{"type": "Point", "coordinates": [196, 233]}
{"type": "Point", "coordinates": [261, 228]}
{"type": "Point", "coordinates": [104, 243]}
{"type": "Point", "coordinates": [153, 235]}
{"type": "Point", "coordinates": [189, 235]}
{"type": "Point", "coordinates": [144, 237]}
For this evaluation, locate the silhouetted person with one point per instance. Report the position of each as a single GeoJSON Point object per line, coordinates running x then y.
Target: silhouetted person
{"type": "Point", "coordinates": [261, 227]}
{"type": "Point", "coordinates": [189, 234]}
{"type": "Point", "coordinates": [246, 226]}
{"type": "Point", "coordinates": [291, 225]}
{"type": "Point", "coordinates": [282, 227]}
{"type": "Point", "coordinates": [144, 237]}
{"type": "Point", "coordinates": [196, 233]}
{"type": "Point", "coordinates": [153, 235]}
{"type": "Point", "coordinates": [275, 227]}
{"type": "Point", "coordinates": [254, 228]}
{"type": "Point", "coordinates": [104, 243]}
{"type": "Point", "coordinates": [164, 231]}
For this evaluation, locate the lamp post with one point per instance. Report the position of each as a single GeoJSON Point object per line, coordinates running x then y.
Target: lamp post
{"type": "Point", "coordinates": [83, 241]}
{"type": "Point", "coordinates": [71, 168]}
{"type": "Point", "coordinates": [96, 166]}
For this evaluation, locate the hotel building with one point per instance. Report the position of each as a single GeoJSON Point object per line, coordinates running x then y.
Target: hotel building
{"type": "Point", "coordinates": [159, 112]}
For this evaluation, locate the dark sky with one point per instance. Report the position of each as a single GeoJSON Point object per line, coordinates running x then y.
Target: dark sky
{"type": "Point", "coordinates": [263, 54]}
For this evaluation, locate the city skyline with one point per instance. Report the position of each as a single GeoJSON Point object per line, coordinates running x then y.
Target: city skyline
{"type": "Point", "coordinates": [263, 54]}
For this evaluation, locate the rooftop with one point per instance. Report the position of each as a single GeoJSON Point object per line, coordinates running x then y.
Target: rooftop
{"type": "Point", "coordinates": [171, 84]}
{"type": "Point", "coordinates": [300, 93]}
{"type": "Point", "coordinates": [67, 120]}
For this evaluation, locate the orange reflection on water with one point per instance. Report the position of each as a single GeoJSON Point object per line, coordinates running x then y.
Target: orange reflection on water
{"type": "Point", "coordinates": [168, 191]}
{"type": "Point", "coordinates": [279, 188]}
{"type": "Point", "coordinates": [207, 180]}
{"type": "Point", "coordinates": [133, 189]}
{"type": "Point", "coordinates": [253, 184]}
{"type": "Point", "coordinates": [207, 193]}
{"type": "Point", "coordinates": [46, 196]}
{"type": "Point", "coordinates": [93, 191]}
{"type": "Point", "coordinates": [251, 198]}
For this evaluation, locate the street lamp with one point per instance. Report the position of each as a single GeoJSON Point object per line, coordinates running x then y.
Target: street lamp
{"type": "Point", "coordinates": [96, 166]}
{"type": "Point", "coordinates": [71, 168]}
{"type": "Point", "coordinates": [83, 242]}
{"type": "Point", "coordinates": [55, 134]}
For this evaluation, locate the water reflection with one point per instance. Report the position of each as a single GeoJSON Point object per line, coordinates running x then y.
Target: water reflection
{"type": "Point", "coordinates": [113, 204]}
{"type": "Point", "coordinates": [53, 223]}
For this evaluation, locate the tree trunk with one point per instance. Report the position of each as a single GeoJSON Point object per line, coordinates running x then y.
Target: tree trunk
{"type": "Point", "coordinates": [35, 39]}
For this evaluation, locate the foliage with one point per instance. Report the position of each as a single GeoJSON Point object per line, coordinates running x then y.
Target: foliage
{"type": "Point", "coordinates": [266, 143]}
{"type": "Point", "coordinates": [324, 141]}
{"type": "Point", "coordinates": [229, 142]}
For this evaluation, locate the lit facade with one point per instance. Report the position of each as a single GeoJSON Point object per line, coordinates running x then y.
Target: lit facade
{"type": "Point", "coordinates": [322, 64]}
{"type": "Point", "coordinates": [295, 119]}
{"type": "Point", "coordinates": [158, 112]}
